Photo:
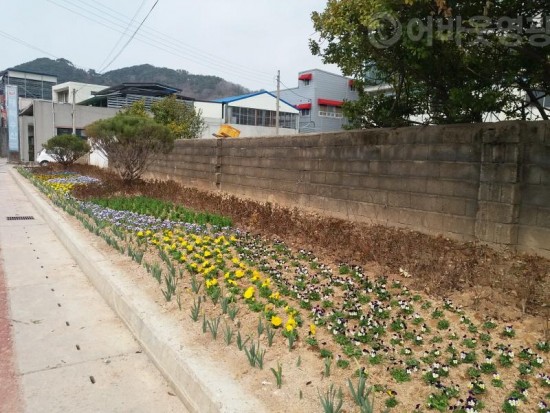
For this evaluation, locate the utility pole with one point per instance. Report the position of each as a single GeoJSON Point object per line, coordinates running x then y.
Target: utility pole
{"type": "Point", "coordinates": [278, 102]}
{"type": "Point", "coordinates": [74, 111]}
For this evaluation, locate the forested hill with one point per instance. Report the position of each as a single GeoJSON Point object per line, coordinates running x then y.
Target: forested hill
{"type": "Point", "coordinates": [195, 86]}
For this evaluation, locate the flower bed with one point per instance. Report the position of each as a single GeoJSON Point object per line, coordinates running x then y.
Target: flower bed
{"type": "Point", "coordinates": [274, 303]}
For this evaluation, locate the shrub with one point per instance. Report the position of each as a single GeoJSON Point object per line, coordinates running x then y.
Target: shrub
{"type": "Point", "coordinates": [66, 149]}
{"type": "Point", "coordinates": [129, 142]}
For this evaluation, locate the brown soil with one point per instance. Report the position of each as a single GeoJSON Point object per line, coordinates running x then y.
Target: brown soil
{"type": "Point", "coordinates": [439, 265]}
{"type": "Point", "coordinates": [485, 282]}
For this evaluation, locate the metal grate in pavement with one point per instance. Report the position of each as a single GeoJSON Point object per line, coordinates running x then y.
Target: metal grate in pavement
{"type": "Point", "coordinates": [20, 218]}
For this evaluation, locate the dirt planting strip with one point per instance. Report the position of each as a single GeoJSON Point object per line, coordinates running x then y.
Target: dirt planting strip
{"type": "Point", "coordinates": [439, 265]}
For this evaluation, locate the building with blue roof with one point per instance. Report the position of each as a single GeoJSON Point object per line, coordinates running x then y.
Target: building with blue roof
{"type": "Point", "coordinates": [254, 114]}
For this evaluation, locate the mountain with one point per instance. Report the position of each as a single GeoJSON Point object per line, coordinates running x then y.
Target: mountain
{"type": "Point", "coordinates": [195, 86]}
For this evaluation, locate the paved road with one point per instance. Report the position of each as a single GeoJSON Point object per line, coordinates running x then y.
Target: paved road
{"type": "Point", "coordinates": [62, 349]}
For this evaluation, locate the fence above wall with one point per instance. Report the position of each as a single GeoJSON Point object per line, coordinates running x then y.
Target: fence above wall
{"type": "Point", "coordinates": [486, 182]}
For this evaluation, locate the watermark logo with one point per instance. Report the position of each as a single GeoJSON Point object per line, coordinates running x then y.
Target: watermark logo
{"type": "Point", "coordinates": [385, 30]}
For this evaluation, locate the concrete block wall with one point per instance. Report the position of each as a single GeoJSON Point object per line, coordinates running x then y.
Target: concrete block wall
{"type": "Point", "coordinates": [470, 182]}
{"type": "Point", "coordinates": [191, 162]}
{"type": "Point", "coordinates": [534, 214]}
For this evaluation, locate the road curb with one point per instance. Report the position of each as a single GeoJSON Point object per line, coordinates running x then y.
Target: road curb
{"type": "Point", "coordinates": [200, 384]}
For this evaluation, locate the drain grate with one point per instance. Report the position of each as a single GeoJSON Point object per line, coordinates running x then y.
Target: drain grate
{"type": "Point", "coordinates": [23, 218]}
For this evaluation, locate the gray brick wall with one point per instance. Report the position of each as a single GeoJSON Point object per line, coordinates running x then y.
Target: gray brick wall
{"type": "Point", "coordinates": [488, 182]}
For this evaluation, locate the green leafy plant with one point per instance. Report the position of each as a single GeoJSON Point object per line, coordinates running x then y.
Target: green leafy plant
{"type": "Point", "coordinates": [255, 355]}
{"type": "Point", "coordinates": [66, 149]}
{"type": "Point", "coordinates": [195, 309]}
{"type": "Point", "coordinates": [278, 374]}
{"type": "Point", "coordinates": [240, 341]}
{"type": "Point", "coordinates": [327, 363]}
{"type": "Point", "coordinates": [213, 326]}
{"type": "Point", "coordinates": [332, 401]}
{"type": "Point", "coordinates": [228, 334]}
{"type": "Point", "coordinates": [443, 324]}
{"type": "Point", "coordinates": [400, 375]}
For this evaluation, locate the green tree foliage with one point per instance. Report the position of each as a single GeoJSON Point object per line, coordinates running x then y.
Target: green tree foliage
{"type": "Point", "coordinates": [136, 109]}
{"type": "Point", "coordinates": [66, 149]}
{"type": "Point", "coordinates": [451, 77]}
{"type": "Point", "coordinates": [129, 142]}
{"type": "Point", "coordinates": [181, 118]}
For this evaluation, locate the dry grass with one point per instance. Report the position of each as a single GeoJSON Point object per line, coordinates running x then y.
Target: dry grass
{"type": "Point", "coordinates": [439, 265]}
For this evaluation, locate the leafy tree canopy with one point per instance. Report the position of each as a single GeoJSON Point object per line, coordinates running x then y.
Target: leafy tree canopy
{"type": "Point", "coordinates": [477, 65]}
{"type": "Point", "coordinates": [129, 142]}
{"type": "Point", "coordinates": [181, 118]}
{"type": "Point", "coordinates": [66, 149]}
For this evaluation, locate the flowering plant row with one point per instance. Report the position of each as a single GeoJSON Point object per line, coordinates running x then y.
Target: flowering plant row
{"type": "Point", "coordinates": [375, 323]}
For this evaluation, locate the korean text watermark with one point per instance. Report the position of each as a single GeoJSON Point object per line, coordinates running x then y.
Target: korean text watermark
{"type": "Point", "coordinates": [508, 31]}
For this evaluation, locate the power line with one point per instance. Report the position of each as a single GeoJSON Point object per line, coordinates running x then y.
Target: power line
{"type": "Point", "coordinates": [131, 37]}
{"type": "Point", "coordinates": [123, 34]}
{"type": "Point", "coordinates": [173, 40]}
{"type": "Point", "coordinates": [113, 25]}
{"type": "Point", "coordinates": [24, 43]}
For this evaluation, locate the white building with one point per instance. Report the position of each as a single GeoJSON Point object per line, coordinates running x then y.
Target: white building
{"type": "Point", "coordinates": [64, 92]}
{"type": "Point", "coordinates": [44, 119]}
{"type": "Point", "coordinates": [253, 114]}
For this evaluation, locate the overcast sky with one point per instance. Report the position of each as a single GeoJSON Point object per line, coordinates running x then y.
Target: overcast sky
{"type": "Point", "coordinates": [243, 41]}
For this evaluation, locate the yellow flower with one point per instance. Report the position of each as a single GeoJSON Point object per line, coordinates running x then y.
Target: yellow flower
{"type": "Point", "coordinates": [312, 329]}
{"type": "Point", "coordinates": [275, 296]}
{"type": "Point", "coordinates": [189, 248]}
{"type": "Point", "coordinates": [249, 293]}
{"type": "Point", "coordinates": [242, 265]}
{"type": "Point", "coordinates": [266, 282]}
{"type": "Point", "coordinates": [276, 321]}
{"type": "Point", "coordinates": [239, 274]}
{"type": "Point", "coordinates": [255, 275]}
{"type": "Point", "coordinates": [148, 232]}
{"type": "Point", "coordinates": [211, 283]}
{"type": "Point", "coordinates": [232, 238]}
{"type": "Point", "coordinates": [231, 282]}
{"type": "Point", "coordinates": [207, 254]}
{"type": "Point", "coordinates": [290, 324]}
{"type": "Point", "coordinates": [235, 261]}
{"type": "Point", "coordinates": [183, 258]}
{"type": "Point", "coordinates": [140, 234]}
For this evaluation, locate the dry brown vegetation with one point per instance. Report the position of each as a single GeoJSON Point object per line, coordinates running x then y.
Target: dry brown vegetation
{"type": "Point", "coordinates": [439, 265]}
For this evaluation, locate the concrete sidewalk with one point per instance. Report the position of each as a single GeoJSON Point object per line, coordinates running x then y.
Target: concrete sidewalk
{"type": "Point", "coordinates": [71, 352]}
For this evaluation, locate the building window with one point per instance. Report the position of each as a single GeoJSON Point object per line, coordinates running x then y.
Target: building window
{"type": "Point", "coordinates": [63, 96]}
{"type": "Point", "coordinates": [306, 82]}
{"type": "Point", "coordinates": [69, 131]}
{"type": "Point", "coordinates": [327, 111]}
{"type": "Point", "coordinates": [543, 98]}
{"type": "Point", "coordinates": [305, 112]}
{"type": "Point", "coordinates": [260, 117]}
{"type": "Point", "coordinates": [352, 87]}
